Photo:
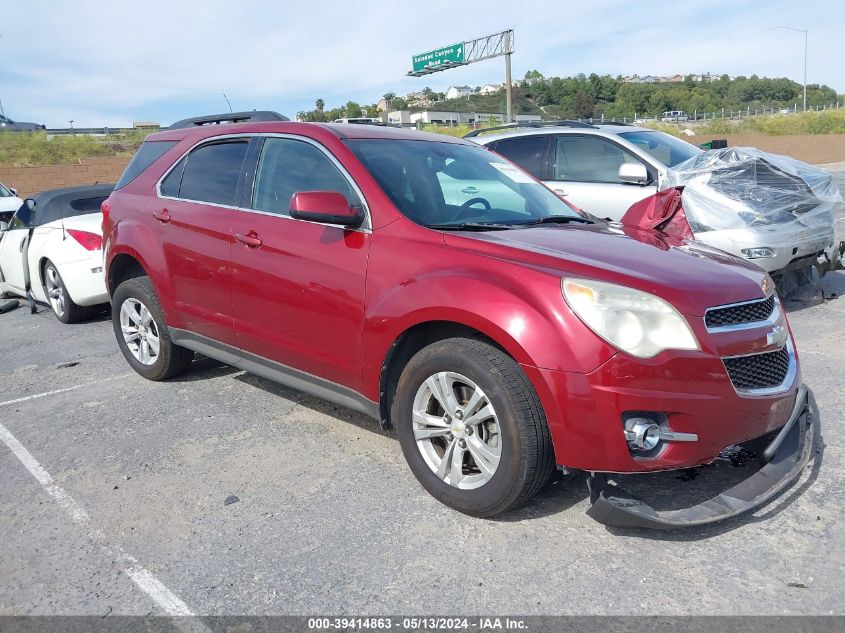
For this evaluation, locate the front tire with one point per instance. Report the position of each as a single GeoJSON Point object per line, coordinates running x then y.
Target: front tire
{"type": "Point", "coordinates": [142, 333]}
{"type": "Point", "coordinates": [63, 306]}
{"type": "Point", "coordinates": [472, 428]}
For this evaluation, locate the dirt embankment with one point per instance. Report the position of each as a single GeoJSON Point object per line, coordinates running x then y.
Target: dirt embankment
{"type": "Point", "coordinates": [811, 148]}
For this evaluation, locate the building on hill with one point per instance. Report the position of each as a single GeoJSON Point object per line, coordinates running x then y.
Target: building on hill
{"type": "Point", "coordinates": [490, 89]}
{"type": "Point", "coordinates": [455, 92]}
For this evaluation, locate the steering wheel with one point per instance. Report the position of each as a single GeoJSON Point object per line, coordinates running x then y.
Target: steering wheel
{"type": "Point", "coordinates": [462, 211]}
{"type": "Point", "coordinates": [472, 201]}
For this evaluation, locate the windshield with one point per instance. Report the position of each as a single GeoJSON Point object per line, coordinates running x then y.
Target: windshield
{"type": "Point", "coordinates": [4, 192]}
{"type": "Point", "coordinates": [667, 149]}
{"type": "Point", "coordinates": [447, 184]}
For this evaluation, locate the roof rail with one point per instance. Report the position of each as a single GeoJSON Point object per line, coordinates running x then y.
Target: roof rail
{"type": "Point", "coordinates": [613, 123]}
{"type": "Point", "coordinates": [528, 124]}
{"type": "Point", "coordinates": [229, 117]}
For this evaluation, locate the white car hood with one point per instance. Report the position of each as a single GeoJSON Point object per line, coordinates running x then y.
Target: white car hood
{"type": "Point", "coordinates": [10, 204]}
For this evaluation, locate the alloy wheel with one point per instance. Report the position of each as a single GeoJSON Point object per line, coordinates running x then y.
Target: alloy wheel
{"type": "Point", "coordinates": [55, 291]}
{"type": "Point", "coordinates": [456, 430]}
{"type": "Point", "coordinates": [140, 331]}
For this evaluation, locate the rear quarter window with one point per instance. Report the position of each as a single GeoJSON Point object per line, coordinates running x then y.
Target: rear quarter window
{"type": "Point", "coordinates": [146, 155]}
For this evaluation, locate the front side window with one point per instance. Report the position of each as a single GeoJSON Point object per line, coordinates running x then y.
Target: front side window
{"type": "Point", "coordinates": [438, 183]}
{"type": "Point", "coordinates": [212, 172]}
{"type": "Point", "coordinates": [529, 152]}
{"type": "Point", "coordinates": [23, 218]}
{"type": "Point", "coordinates": [667, 149]}
{"type": "Point", "coordinates": [589, 159]}
{"type": "Point", "coordinates": [288, 166]}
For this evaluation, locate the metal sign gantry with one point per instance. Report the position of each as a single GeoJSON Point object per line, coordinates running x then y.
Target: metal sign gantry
{"type": "Point", "coordinates": [463, 53]}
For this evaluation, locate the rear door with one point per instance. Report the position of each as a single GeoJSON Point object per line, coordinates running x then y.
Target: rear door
{"type": "Point", "coordinates": [298, 286]}
{"type": "Point", "coordinates": [12, 250]}
{"type": "Point", "coordinates": [585, 169]}
{"type": "Point", "coordinates": [195, 213]}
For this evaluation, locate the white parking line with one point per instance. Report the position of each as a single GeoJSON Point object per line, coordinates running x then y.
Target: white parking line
{"type": "Point", "coordinates": [57, 391]}
{"type": "Point", "coordinates": [166, 600]}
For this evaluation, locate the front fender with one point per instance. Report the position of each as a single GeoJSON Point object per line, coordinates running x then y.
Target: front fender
{"type": "Point", "coordinates": [525, 314]}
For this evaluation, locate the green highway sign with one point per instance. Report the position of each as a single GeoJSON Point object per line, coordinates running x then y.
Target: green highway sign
{"type": "Point", "coordinates": [453, 54]}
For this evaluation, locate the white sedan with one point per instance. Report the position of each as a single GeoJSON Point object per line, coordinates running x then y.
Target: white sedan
{"type": "Point", "coordinates": [51, 251]}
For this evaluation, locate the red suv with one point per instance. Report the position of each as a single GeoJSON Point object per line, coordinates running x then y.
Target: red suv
{"type": "Point", "coordinates": [437, 287]}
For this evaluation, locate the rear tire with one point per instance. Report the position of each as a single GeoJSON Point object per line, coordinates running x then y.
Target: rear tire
{"type": "Point", "coordinates": [59, 299]}
{"type": "Point", "coordinates": [495, 437]}
{"type": "Point", "coordinates": [142, 333]}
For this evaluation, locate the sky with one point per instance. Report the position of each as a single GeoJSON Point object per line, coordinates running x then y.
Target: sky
{"type": "Point", "coordinates": [106, 63]}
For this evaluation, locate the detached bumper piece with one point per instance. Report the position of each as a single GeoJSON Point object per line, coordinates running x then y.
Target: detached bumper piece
{"type": "Point", "coordinates": [783, 460]}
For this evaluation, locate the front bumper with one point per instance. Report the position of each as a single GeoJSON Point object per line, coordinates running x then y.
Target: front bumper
{"type": "Point", "coordinates": [785, 457]}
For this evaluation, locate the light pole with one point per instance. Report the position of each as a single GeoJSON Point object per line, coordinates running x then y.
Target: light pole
{"type": "Point", "coordinates": [804, 31]}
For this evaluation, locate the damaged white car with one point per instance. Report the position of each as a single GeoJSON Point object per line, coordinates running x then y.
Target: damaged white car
{"type": "Point", "coordinates": [778, 212]}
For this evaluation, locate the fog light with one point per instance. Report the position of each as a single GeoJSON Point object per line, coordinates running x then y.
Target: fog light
{"type": "Point", "coordinates": [757, 253]}
{"type": "Point", "coordinates": [642, 434]}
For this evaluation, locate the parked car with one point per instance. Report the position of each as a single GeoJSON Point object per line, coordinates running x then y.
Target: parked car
{"type": "Point", "coordinates": [674, 116]}
{"type": "Point", "coordinates": [9, 203]}
{"type": "Point", "coordinates": [7, 125]}
{"type": "Point", "coordinates": [604, 169]}
{"type": "Point", "coordinates": [500, 339]}
{"type": "Point", "coordinates": [51, 251]}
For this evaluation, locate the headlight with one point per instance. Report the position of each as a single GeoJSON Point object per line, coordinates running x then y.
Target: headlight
{"type": "Point", "coordinates": [636, 322]}
{"type": "Point", "coordinates": [757, 253]}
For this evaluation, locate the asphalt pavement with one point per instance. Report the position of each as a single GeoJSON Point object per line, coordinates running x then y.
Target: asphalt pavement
{"type": "Point", "coordinates": [222, 493]}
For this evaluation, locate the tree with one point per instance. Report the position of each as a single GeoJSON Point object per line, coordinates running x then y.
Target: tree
{"type": "Point", "coordinates": [320, 105]}
{"type": "Point", "coordinates": [389, 96]}
{"type": "Point", "coordinates": [583, 105]}
{"type": "Point", "coordinates": [353, 110]}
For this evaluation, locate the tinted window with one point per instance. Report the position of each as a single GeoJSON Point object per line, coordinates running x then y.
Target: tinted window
{"type": "Point", "coordinates": [22, 218]}
{"type": "Point", "coordinates": [146, 155]}
{"type": "Point", "coordinates": [287, 166]}
{"type": "Point", "coordinates": [83, 206]}
{"type": "Point", "coordinates": [170, 185]}
{"type": "Point", "coordinates": [212, 171]}
{"type": "Point", "coordinates": [529, 152]}
{"type": "Point", "coordinates": [588, 159]}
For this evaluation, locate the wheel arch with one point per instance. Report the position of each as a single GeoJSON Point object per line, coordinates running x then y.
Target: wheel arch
{"type": "Point", "coordinates": [123, 266]}
{"type": "Point", "coordinates": [411, 341]}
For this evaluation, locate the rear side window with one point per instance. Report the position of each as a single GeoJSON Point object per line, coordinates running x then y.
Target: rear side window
{"type": "Point", "coordinates": [84, 206]}
{"type": "Point", "coordinates": [170, 185]}
{"type": "Point", "coordinates": [146, 155]}
{"type": "Point", "coordinates": [211, 173]}
{"type": "Point", "coordinates": [529, 152]}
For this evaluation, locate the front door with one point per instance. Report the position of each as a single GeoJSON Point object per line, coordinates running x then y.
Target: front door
{"type": "Point", "coordinates": [586, 172]}
{"type": "Point", "coordinates": [195, 216]}
{"type": "Point", "coordinates": [12, 247]}
{"type": "Point", "coordinates": [298, 286]}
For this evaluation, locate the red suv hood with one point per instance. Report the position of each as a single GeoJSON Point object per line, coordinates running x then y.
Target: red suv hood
{"type": "Point", "coordinates": [690, 275]}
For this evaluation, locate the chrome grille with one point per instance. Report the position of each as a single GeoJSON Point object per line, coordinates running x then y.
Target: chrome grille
{"type": "Point", "coordinates": [758, 371]}
{"type": "Point", "coordinates": [741, 313]}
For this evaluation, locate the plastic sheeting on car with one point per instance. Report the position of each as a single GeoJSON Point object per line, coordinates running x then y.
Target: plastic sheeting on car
{"type": "Point", "coordinates": [739, 187]}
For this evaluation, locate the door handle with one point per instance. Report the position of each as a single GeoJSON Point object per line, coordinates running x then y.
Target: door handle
{"type": "Point", "coordinates": [250, 240]}
{"type": "Point", "coordinates": [470, 189]}
{"type": "Point", "coordinates": [162, 216]}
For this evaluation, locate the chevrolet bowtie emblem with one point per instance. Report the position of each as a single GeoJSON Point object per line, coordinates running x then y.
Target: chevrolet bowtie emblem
{"type": "Point", "coordinates": [777, 336]}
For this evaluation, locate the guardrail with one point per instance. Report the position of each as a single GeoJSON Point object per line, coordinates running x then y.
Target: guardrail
{"type": "Point", "coordinates": [724, 113]}
{"type": "Point", "coordinates": [99, 131]}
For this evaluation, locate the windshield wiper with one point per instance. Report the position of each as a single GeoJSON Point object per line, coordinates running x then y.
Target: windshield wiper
{"type": "Point", "coordinates": [556, 219]}
{"type": "Point", "coordinates": [471, 226]}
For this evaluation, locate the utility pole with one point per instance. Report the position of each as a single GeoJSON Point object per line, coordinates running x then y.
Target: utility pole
{"type": "Point", "coordinates": [508, 83]}
{"type": "Point", "coordinates": [804, 31]}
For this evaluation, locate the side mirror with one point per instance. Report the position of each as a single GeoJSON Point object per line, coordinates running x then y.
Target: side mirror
{"type": "Point", "coordinates": [30, 204]}
{"type": "Point", "coordinates": [325, 207]}
{"type": "Point", "coordinates": [634, 173]}
{"type": "Point", "coordinates": [3, 226]}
